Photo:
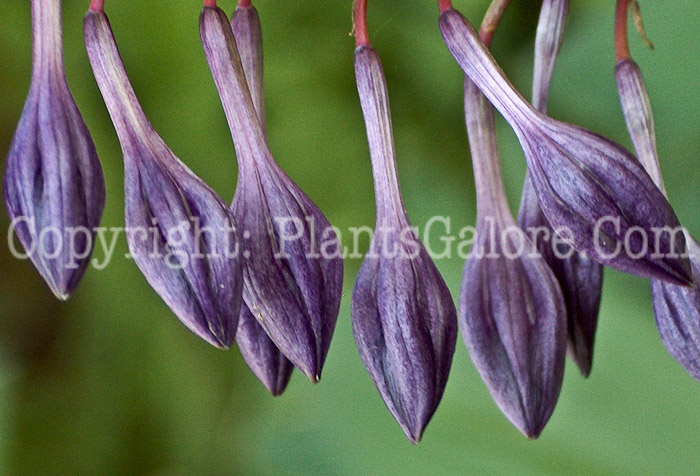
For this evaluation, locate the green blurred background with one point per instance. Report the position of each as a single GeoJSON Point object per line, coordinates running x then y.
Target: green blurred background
{"type": "Point", "coordinates": [111, 383]}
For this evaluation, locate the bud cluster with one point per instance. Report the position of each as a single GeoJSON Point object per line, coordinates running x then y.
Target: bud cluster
{"type": "Point", "coordinates": [230, 272]}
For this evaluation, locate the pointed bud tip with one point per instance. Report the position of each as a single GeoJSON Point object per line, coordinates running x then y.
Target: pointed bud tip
{"type": "Point", "coordinates": [63, 297]}
{"type": "Point", "coordinates": [584, 367]}
{"type": "Point", "coordinates": [681, 273]}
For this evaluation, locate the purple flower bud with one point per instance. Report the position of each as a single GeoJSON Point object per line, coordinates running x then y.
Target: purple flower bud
{"type": "Point", "coordinates": [636, 108]}
{"type": "Point", "coordinates": [580, 278]}
{"type": "Point", "coordinates": [294, 271]}
{"type": "Point", "coordinates": [677, 314]}
{"type": "Point", "coordinates": [180, 232]}
{"type": "Point", "coordinates": [404, 321]}
{"type": "Point", "coordinates": [587, 185]}
{"type": "Point", "coordinates": [550, 35]}
{"type": "Point", "coordinates": [247, 32]}
{"type": "Point", "coordinates": [512, 312]}
{"type": "Point", "coordinates": [260, 353]}
{"type": "Point", "coordinates": [54, 187]}
{"type": "Point", "coordinates": [676, 308]}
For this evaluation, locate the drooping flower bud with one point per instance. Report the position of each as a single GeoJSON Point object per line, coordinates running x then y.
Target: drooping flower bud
{"type": "Point", "coordinates": [263, 357]}
{"type": "Point", "coordinates": [54, 187]}
{"type": "Point", "coordinates": [247, 32]}
{"type": "Point", "coordinates": [580, 278]}
{"type": "Point", "coordinates": [260, 353]}
{"type": "Point", "coordinates": [512, 311]}
{"type": "Point", "coordinates": [180, 232]}
{"type": "Point", "coordinates": [588, 187]}
{"type": "Point", "coordinates": [404, 321]}
{"type": "Point", "coordinates": [677, 314]}
{"type": "Point", "coordinates": [676, 308]}
{"type": "Point", "coordinates": [550, 35]}
{"type": "Point", "coordinates": [294, 270]}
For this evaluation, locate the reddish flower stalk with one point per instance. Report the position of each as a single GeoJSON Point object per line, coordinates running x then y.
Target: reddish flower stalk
{"type": "Point", "coordinates": [360, 23]}
{"type": "Point", "coordinates": [491, 20]}
{"type": "Point", "coordinates": [445, 5]}
{"type": "Point", "coordinates": [622, 47]}
{"type": "Point", "coordinates": [97, 5]}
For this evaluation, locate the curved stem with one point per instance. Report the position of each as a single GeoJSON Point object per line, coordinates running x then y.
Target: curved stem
{"type": "Point", "coordinates": [359, 16]}
{"type": "Point", "coordinates": [491, 20]}
{"type": "Point", "coordinates": [622, 47]}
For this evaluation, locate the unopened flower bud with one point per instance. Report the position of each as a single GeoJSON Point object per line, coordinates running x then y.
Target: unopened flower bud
{"type": "Point", "coordinates": [293, 272]}
{"type": "Point", "coordinates": [404, 321]}
{"type": "Point", "coordinates": [54, 187]}
{"type": "Point", "coordinates": [585, 183]}
{"type": "Point", "coordinates": [263, 357]}
{"type": "Point", "coordinates": [676, 308]}
{"type": "Point", "coordinates": [512, 312]}
{"type": "Point", "coordinates": [580, 278]}
{"type": "Point", "coordinates": [180, 233]}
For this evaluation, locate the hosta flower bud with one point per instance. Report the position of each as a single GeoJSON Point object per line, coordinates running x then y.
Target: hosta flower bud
{"type": "Point", "coordinates": [404, 320]}
{"type": "Point", "coordinates": [512, 312]}
{"type": "Point", "coordinates": [636, 109]}
{"type": "Point", "coordinates": [294, 272]}
{"type": "Point", "coordinates": [260, 353]}
{"type": "Point", "coordinates": [180, 232]}
{"type": "Point", "coordinates": [54, 187]}
{"type": "Point", "coordinates": [247, 32]}
{"type": "Point", "coordinates": [676, 308]}
{"type": "Point", "coordinates": [587, 185]}
{"type": "Point", "coordinates": [580, 278]}
{"type": "Point", "coordinates": [550, 35]}
{"type": "Point", "coordinates": [677, 314]}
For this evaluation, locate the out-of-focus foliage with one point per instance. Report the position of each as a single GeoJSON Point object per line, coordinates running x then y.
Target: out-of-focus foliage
{"type": "Point", "coordinates": [111, 383]}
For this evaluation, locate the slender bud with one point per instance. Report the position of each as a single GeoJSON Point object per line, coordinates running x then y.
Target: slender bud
{"type": "Point", "coordinates": [550, 35]}
{"type": "Point", "coordinates": [580, 278]}
{"type": "Point", "coordinates": [512, 312]}
{"type": "Point", "coordinates": [263, 357]}
{"type": "Point", "coordinates": [587, 185]}
{"type": "Point", "coordinates": [54, 187]}
{"type": "Point", "coordinates": [676, 308]}
{"type": "Point", "coordinates": [404, 321]}
{"type": "Point", "coordinates": [294, 270]}
{"type": "Point", "coordinates": [180, 232]}
{"type": "Point", "coordinates": [260, 353]}
{"type": "Point", "coordinates": [247, 32]}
